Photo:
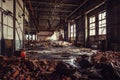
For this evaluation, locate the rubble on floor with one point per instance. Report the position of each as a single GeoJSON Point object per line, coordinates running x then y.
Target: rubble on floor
{"type": "Point", "coordinates": [47, 44]}
{"type": "Point", "coordinates": [103, 66]}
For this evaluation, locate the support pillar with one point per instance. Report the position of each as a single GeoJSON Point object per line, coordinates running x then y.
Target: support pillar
{"type": "Point", "coordinates": [14, 25]}
{"type": "Point", "coordinates": [2, 37]}
{"type": "Point", "coordinates": [28, 37]}
{"type": "Point", "coordinates": [23, 34]}
{"type": "Point", "coordinates": [35, 36]}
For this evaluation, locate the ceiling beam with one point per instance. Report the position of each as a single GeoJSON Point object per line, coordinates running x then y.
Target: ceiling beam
{"type": "Point", "coordinates": [47, 17]}
{"type": "Point", "coordinates": [50, 3]}
{"type": "Point", "coordinates": [32, 12]}
{"type": "Point", "coordinates": [55, 19]}
{"type": "Point", "coordinates": [75, 10]}
{"type": "Point", "coordinates": [54, 14]}
{"type": "Point", "coordinates": [49, 9]}
{"type": "Point", "coordinates": [42, 14]}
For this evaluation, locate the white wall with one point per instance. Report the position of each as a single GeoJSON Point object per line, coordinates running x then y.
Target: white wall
{"type": "Point", "coordinates": [19, 23]}
{"type": "Point", "coordinates": [8, 21]}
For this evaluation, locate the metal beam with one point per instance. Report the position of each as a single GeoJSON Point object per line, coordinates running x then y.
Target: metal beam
{"type": "Point", "coordinates": [95, 7]}
{"type": "Point", "coordinates": [23, 34]}
{"type": "Point", "coordinates": [14, 25]}
{"type": "Point", "coordinates": [48, 18]}
{"type": "Point", "coordinates": [50, 3]}
{"type": "Point", "coordinates": [77, 9]}
{"type": "Point", "coordinates": [47, 30]}
{"type": "Point", "coordinates": [64, 15]}
{"type": "Point", "coordinates": [32, 12]}
{"type": "Point", "coordinates": [2, 37]}
{"type": "Point", "coordinates": [49, 9]}
{"type": "Point", "coordinates": [47, 15]}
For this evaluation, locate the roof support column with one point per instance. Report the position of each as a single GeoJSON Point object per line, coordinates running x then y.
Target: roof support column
{"type": "Point", "coordinates": [14, 25]}
{"type": "Point", "coordinates": [23, 34]}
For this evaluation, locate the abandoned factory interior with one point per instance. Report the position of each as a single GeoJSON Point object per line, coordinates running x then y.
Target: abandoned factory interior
{"type": "Point", "coordinates": [59, 39]}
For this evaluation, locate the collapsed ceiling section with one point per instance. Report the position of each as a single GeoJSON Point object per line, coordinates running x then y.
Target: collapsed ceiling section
{"type": "Point", "coordinates": [47, 15]}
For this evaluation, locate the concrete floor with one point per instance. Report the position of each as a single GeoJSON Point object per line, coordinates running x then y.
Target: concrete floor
{"type": "Point", "coordinates": [67, 54]}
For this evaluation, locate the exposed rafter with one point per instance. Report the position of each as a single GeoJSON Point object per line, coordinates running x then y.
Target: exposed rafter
{"type": "Point", "coordinates": [31, 9]}
{"type": "Point", "coordinates": [51, 14]}
{"type": "Point", "coordinates": [50, 3]}
{"type": "Point", "coordinates": [77, 9]}
{"type": "Point", "coordinates": [56, 10]}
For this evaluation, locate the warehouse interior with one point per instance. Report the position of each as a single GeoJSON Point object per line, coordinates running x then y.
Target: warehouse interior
{"type": "Point", "coordinates": [59, 39]}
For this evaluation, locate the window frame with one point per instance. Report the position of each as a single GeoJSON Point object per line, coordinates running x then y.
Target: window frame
{"type": "Point", "coordinates": [100, 26]}
{"type": "Point", "coordinates": [93, 28]}
{"type": "Point", "coordinates": [73, 31]}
